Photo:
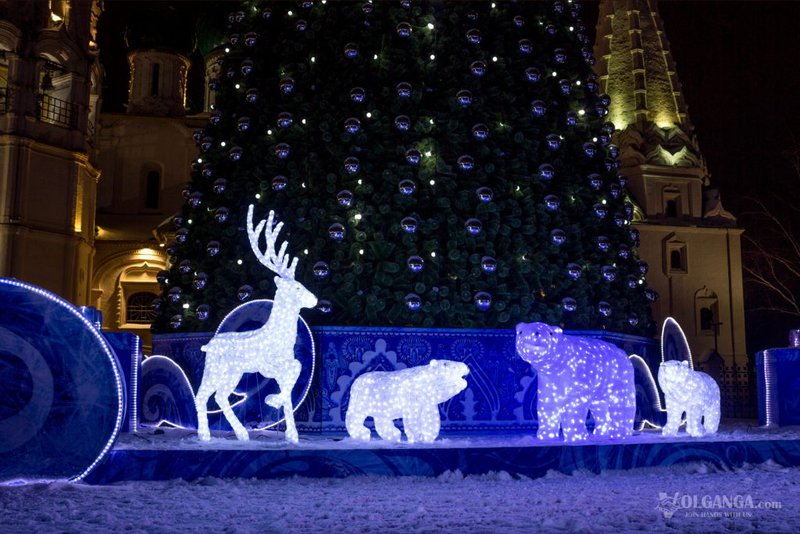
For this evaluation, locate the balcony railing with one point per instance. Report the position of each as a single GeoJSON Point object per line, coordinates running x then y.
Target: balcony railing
{"type": "Point", "coordinates": [56, 111]}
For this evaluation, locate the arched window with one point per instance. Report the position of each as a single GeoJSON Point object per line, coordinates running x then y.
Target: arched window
{"type": "Point", "coordinates": [139, 308]}
{"type": "Point", "coordinates": [675, 260]}
{"type": "Point", "coordinates": [152, 190]}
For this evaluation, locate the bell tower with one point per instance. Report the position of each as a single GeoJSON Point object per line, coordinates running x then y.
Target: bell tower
{"type": "Point", "coordinates": [691, 243]}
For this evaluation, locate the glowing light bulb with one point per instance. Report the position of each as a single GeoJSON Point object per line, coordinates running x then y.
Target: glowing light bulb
{"type": "Point", "coordinates": [185, 305]}
{"type": "Point", "coordinates": [258, 196]}
{"type": "Point", "coordinates": [269, 132]}
{"type": "Point", "coordinates": [432, 182]}
{"type": "Point", "coordinates": [313, 59]}
{"type": "Point", "coordinates": [433, 254]}
{"type": "Point", "coordinates": [237, 86]}
{"type": "Point", "coordinates": [223, 144]}
{"type": "Point", "coordinates": [369, 115]}
{"type": "Point", "coordinates": [357, 216]}
{"type": "Point", "coordinates": [581, 112]}
{"type": "Point", "coordinates": [494, 58]}
{"type": "Point", "coordinates": [238, 262]}
{"type": "Point", "coordinates": [361, 251]}
{"type": "Point", "coordinates": [227, 49]}
{"type": "Point", "coordinates": [433, 56]}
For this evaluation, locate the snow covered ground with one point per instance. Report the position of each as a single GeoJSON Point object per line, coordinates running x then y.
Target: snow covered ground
{"type": "Point", "coordinates": [697, 497]}
{"type": "Point", "coordinates": [618, 501]}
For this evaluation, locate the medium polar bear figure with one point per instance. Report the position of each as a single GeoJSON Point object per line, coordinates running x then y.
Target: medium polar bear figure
{"type": "Point", "coordinates": [690, 391]}
{"type": "Point", "coordinates": [575, 375]}
{"type": "Point", "coordinates": [411, 394]}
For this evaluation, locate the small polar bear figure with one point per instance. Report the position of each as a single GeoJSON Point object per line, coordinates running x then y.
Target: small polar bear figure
{"type": "Point", "coordinates": [690, 391]}
{"type": "Point", "coordinates": [576, 375]}
{"type": "Point", "coordinates": [412, 394]}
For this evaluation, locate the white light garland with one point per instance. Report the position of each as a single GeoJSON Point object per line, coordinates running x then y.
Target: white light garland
{"type": "Point", "coordinates": [269, 350]}
{"type": "Point", "coordinates": [411, 394]}
{"type": "Point", "coordinates": [576, 375]}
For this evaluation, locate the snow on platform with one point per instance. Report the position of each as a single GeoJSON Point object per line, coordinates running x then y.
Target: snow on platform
{"type": "Point", "coordinates": [178, 454]}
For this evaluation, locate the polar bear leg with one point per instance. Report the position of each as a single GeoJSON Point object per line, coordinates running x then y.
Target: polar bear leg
{"type": "Point", "coordinates": [573, 421]}
{"type": "Point", "coordinates": [423, 424]}
{"type": "Point", "coordinates": [599, 409]}
{"type": "Point", "coordinates": [386, 429]}
{"type": "Point", "coordinates": [354, 421]}
{"type": "Point", "coordinates": [711, 418]}
{"type": "Point", "coordinates": [674, 413]}
{"type": "Point", "coordinates": [548, 411]}
{"type": "Point", "coordinates": [693, 415]}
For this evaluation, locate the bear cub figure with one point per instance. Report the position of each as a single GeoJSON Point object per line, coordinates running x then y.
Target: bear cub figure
{"type": "Point", "coordinates": [412, 394]}
{"type": "Point", "coordinates": [690, 391]}
{"type": "Point", "coordinates": [576, 375]}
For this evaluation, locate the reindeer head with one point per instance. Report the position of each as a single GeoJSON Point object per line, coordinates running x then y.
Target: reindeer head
{"type": "Point", "coordinates": [287, 287]}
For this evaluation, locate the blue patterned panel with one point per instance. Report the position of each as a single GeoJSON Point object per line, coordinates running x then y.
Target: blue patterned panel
{"type": "Point", "coordinates": [501, 394]}
{"type": "Point", "coordinates": [62, 397]}
{"type": "Point", "coordinates": [165, 394]}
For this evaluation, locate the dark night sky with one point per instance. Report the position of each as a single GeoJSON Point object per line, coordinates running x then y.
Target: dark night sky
{"type": "Point", "coordinates": [737, 61]}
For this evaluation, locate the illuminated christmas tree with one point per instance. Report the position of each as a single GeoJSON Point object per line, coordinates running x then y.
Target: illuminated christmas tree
{"type": "Point", "coordinates": [441, 164]}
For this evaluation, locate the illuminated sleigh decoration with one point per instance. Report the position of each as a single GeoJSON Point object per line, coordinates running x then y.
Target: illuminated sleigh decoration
{"type": "Point", "coordinates": [269, 350]}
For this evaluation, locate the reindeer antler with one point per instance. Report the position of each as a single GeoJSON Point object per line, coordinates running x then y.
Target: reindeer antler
{"type": "Point", "coordinates": [279, 263]}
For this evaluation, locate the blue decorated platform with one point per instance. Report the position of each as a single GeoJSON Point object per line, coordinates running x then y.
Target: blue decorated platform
{"type": "Point", "coordinates": [177, 454]}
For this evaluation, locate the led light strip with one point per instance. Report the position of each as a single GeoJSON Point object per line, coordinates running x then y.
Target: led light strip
{"type": "Point", "coordinates": [685, 342]}
{"type": "Point", "coordinates": [108, 353]}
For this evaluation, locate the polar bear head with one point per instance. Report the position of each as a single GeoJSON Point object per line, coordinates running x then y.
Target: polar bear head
{"type": "Point", "coordinates": [673, 374]}
{"type": "Point", "coordinates": [536, 342]}
{"type": "Point", "coordinates": [446, 378]}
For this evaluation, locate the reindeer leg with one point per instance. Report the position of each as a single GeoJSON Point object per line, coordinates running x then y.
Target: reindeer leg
{"type": "Point", "coordinates": [287, 383]}
{"type": "Point", "coordinates": [238, 428]}
{"type": "Point", "coordinates": [201, 405]}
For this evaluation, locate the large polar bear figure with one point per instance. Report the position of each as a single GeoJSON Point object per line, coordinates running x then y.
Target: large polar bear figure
{"type": "Point", "coordinates": [411, 394]}
{"type": "Point", "coordinates": [690, 391]}
{"type": "Point", "coordinates": [575, 375]}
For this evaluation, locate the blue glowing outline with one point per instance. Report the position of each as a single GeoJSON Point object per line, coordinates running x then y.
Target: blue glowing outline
{"type": "Point", "coordinates": [242, 396]}
{"type": "Point", "coordinates": [685, 342]}
{"type": "Point", "coordinates": [313, 357]}
{"type": "Point", "coordinates": [108, 352]}
{"type": "Point", "coordinates": [654, 390]}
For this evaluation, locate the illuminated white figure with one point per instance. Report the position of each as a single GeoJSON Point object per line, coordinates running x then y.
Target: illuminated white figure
{"type": "Point", "coordinates": [576, 375]}
{"type": "Point", "coordinates": [693, 392]}
{"type": "Point", "coordinates": [268, 350]}
{"type": "Point", "coordinates": [411, 394]}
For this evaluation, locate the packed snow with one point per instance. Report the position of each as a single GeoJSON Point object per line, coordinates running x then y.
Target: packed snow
{"type": "Point", "coordinates": [618, 501]}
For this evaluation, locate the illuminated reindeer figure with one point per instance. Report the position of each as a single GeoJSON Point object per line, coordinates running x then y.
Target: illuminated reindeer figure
{"type": "Point", "coordinates": [268, 350]}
